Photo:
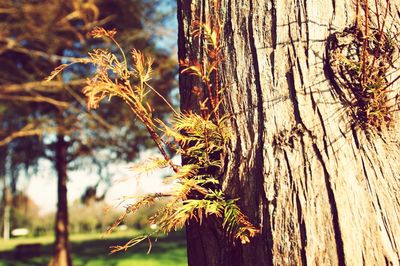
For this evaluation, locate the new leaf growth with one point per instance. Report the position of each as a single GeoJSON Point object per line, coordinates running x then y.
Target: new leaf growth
{"type": "Point", "coordinates": [201, 139]}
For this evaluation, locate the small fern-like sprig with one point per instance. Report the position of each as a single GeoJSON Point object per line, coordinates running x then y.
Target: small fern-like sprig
{"type": "Point", "coordinates": [236, 223]}
{"type": "Point", "coordinates": [132, 208]}
{"type": "Point", "coordinates": [62, 67]}
{"type": "Point", "coordinates": [99, 32]}
{"type": "Point", "coordinates": [134, 241]}
{"type": "Point", "coordinates": [149, 165]}
{"type": "Point", "coordinates": [200, 138]}
{"type": "Point", "coordinates": [196, 130]}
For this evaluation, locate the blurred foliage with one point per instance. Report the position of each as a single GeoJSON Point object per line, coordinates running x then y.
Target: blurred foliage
{"type": "Point", "coordinates": [25, 214]}
{"type": "Point", "coordinates": [25, 211]}
{"type": "Point", "coordinates": [97, 217]}
{"type": "Point", "coordinates": [90, 217]}
{"type": "Point", "coordinates": [35, 36]}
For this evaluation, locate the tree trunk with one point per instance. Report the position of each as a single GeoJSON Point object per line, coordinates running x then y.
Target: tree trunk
{"type": "Point", "coordinates": [7, 197]}
{"type": "Point", "coordinates": [321, 191]}
{"type": "Point", "coordinates": [61, 255]}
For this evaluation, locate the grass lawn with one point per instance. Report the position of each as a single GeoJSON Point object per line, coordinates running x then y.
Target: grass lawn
{"type": "Point", "coordinates": [93, 249]}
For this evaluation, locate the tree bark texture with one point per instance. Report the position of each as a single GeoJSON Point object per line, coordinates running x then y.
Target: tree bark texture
{"type": "Point", "coordinates": [320, 190]}
{"type": "Point", "coordinates": [61, 255]}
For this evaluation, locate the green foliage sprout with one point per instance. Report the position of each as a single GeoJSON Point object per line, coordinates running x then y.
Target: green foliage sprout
{"type": "Point", "coordinates": [200, 138]}
{"type": "Point", "coordinates": [367, 66]}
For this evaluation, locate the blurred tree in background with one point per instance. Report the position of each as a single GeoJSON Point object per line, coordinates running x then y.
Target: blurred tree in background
{"type": "Point", "coordinates": [24, 211]}
{"type": "Point", "coordinates": [49, 120]}
{"type": "Point", "coordinates": [25, 214]}
{"type": "Point", "coordinates": [90, 217]}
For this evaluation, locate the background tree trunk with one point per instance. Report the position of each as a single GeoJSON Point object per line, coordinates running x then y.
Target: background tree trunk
{"type": "Point", "coordinates": [61, 255]}
{"type": "Point", "coordinates": [319, 189]}
{"type": "Point", "coordinates": [7, 200]}
{"type": "Point", "coordinates": [6, 196]}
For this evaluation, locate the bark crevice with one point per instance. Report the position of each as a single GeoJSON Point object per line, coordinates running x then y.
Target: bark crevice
{"type": "Point", "coordinates": [334, 211]}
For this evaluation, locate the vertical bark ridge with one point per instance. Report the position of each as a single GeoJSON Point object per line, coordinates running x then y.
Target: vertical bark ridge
{"type": "Point", "coordinates": [380, 203]}
{"type": "Point", "coordinates": [260, 140]}
{"type": "Point", "coordinates": [293, 97]}
{"type": "Point", "coordinates": [272, 20]}
{"type": "Point", "coordinates": [300, 219]}
{"type": "Point", "coordinates": [259, 160]}
{"type": "Point", "coordinates": [322, 121]}
{"type": "Point", "coordinates": [303, 232]}
{"type": "Point", "coordinates": [307, 48]}
{"type": "Point", "coordinates": [334, 210]}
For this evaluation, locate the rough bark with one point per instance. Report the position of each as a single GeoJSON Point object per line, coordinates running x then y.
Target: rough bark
{"type": "Point", "coordinates": [320, 190]}
{"type": "Point", "coordinates": [61, 255]}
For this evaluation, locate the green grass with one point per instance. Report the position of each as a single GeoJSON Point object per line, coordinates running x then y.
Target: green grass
{"type": "Point", "coordinates": [93, 249]}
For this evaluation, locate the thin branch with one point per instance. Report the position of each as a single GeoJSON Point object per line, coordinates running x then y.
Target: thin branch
{"type": "Point", "coordinates": [82, 102]}
{"type": "Point", "coordinates": [37, 98]}
{"type": "Point", "coordinates": [27, 131]}
{"type": "Point", "coordinates": [162, 97]}
{"type": "Point", "coordinates": [155, 137]}
{"type": "Point", "coordinates": [357, 13]}
{"type": "Point", "coordinates": [11, 46]}
{"type": "Point", "coordinates": [7, 10]}
{"type": "Point", "coordinates": [40, 86]}
{"type": "Point", "coordinates": [365, 43]}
